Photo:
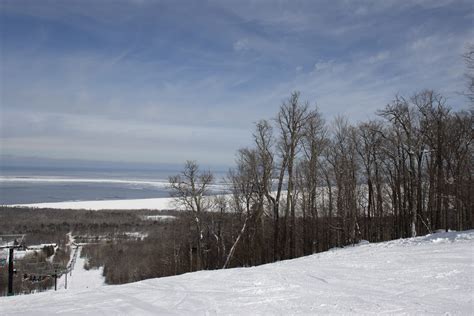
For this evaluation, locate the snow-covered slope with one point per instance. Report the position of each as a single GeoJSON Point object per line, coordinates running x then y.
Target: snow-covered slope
{"type": "Point", "coordinates": [426, 275]}
{"type": "Point", "coordinates": [80, 278]}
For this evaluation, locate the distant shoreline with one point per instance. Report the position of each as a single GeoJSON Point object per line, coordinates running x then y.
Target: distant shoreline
{"type": "Point", "coordinates": [49, 190]}
{"type": "Point", "coordinates": [126, 204]}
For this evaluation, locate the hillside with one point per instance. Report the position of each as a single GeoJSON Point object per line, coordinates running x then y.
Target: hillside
{"type": "Point", "coordinates": [425, 275]}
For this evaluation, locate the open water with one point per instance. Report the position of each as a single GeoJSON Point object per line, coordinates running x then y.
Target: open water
{"type": "Point", "coordinates": [36, 185]}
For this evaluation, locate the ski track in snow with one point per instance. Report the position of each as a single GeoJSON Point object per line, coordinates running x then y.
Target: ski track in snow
{"type": "Point", "coordinates": [80, 278]}
{"type": "Point", "coordinates": [431, 275]}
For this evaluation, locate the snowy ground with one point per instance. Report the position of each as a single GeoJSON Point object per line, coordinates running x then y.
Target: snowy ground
{"type": "Point", "coordinates": [159, 217]}
{"type": "Point", "coordinates": [20, 253]}
{"type": "Point", "coordinates": [80, 278]}
{"type": "Point", "coordinates": [130, 204]}
{"type": "Point", "coordinates": [425, 275]}
{"type": "Point", "coordinates": [133, 204]}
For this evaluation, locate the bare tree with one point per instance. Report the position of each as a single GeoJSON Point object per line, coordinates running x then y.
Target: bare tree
{"type": "Point", "coordinates": [434, 114]}
{"type": "Point", "coordinates": [369, 142]}
{"type": "Point", "coordinates": [469, 60]}
{"type": "Point", "coordinates": [406, 123]}
{"type": "Point", "coordinates": [265, 142]}
{"type": "Point", "coordinates": [342, 157]}
{"type": "Point", "coordinates": [248, 191]}
{"type": "Point", "coordinates": [459, 169]}
{"type": "Point", "coordinates": [313, 144]}
{"type": "Point", "coordinates": [291, 120]}
{"type": "Point", "coordinates": [189, 188]}
{"type": "Point", "coordinates": [243, 183]}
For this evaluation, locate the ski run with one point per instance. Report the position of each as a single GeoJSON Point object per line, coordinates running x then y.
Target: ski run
{"type": "Point", "coordinates": [430, 275]}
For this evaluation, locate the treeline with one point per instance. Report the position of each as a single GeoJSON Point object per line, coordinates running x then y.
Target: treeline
{"type": "Point", "coordinates": [51, 225]}
{"type": "Point", "coordinates": [306, 186]}
{"type": "Point", "coordinates": [168, 249]}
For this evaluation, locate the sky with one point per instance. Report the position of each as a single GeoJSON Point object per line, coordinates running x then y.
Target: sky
{"type": "Point", "coordinates": [168, 81]}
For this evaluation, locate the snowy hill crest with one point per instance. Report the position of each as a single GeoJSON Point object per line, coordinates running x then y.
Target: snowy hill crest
{"type": "Point", "coordinates": [432, 274]}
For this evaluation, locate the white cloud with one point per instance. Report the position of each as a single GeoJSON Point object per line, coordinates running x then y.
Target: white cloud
{"type": "Point", "coordinates": [241, 45]}
{"type": "Point", "coordinates": [422, 43]}
{"type": "Point", "coordinates": [381, 56]}
{"type": "Point", "coordinates": [323, 65]}
{"type": "Point", "coordinates": [329, 66]}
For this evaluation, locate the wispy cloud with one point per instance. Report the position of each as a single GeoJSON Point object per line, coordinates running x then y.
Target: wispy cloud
{"type": "Point", "coordinates": [166, 81]}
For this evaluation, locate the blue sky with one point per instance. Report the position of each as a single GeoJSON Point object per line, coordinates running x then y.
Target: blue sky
{"type": "Point", "coordinates": [166, 81]}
